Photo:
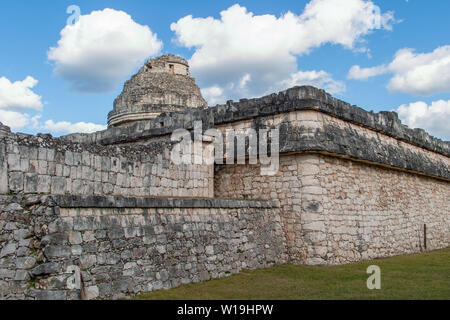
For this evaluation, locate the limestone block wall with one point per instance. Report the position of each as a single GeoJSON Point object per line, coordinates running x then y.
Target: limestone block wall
{"type": "Point", "coordinates": [338, 211]}
{"type": "Point", "coordinates": [245, 181]}
{"type": "Point", "coordinates": [42, 164]}
{"type": "Point", "coordinates": [123, 246]}
{"type": "Point", "coordinates": [370, 212]}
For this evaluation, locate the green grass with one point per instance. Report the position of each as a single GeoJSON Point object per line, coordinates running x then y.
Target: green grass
{"type": "Point", "coordinates": [419, 276]}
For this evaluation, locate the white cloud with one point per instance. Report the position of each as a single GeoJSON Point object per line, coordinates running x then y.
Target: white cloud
{"type": "Point", "coordinates": [434, 118]}
{"type": "Point", "coordinates": [67, 127]}
{"type": "Point", "coordinates": [15, 97]}
{"type": "Point", "coordinates": [214, 95]}
{"type": "Point", "coordinates": [358, 73]}
{"type": "Point", "coordinates": [99, 51]}
{"type": "Point", "coordinates": [18, 95]}
{"type": "Point", "coordinates": [414, 73]}
{"type": "Point", "coordinates": [18, 121]}
{"type": "Point", "coordinates": [265, 46]}
{"type": "Point", "coordinates": [319, 79]}
{"type": "Point", "coordinates": [422, 74]}
{"type": "Point", "coordinates": [15, 120]}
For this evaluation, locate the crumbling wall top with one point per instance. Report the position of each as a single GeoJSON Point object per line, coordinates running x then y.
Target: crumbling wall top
{"type": "Point", "coordinates": [293, 99]}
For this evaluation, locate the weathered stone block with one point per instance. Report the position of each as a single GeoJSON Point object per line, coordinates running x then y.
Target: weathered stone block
{"type": "Point", "coordinates": [16, 181]}
{"type": "Point", "coordinates": [58, 185]}
{"type": "Point", "coordinates": [31, 183]}
{"type": "Point", "coordinates": [86, 159]}
{"type": "Point", "coordinates": [314, 226]}
{"type": "Point", "coordinates": [50, 155]}
{"type": "Point", "coordinates": [59, 238]}
{"type": "Point", "coordinates": [77, 187]}
{"type": "Point", "coordinates": [42, 167]}
{"type": "Point", "coordinates": [83, 223]}
{"type": "Point", "coordinates": [66, 171]}
{"type": "Point", "coordinates": [12, 148]}
{"type": "Point", "coordinates": [105, 164]}
{"type": "Point", "coordinates": [59, 158]}
{"type": "Point", "coordinates": [57, 251]}
{"type": "Point", "coordinates": [87, 173]}
{"type": "Point", "coordinates": [7, 274]}
{"type": "Point", "coordinates": [92, 292]}
{"type": "Point", "coordinates": [24, 165]}
{"type": "Point", "coordinates": [88, 261]}
{"type": "Point", "coordinates": [314, 190]}
{"type": "Point", "coordinates": [22, 234]}
{"type": "Point", "coordinates": [4, 185]}
{"type": "Point", "coordinates": [69, 158]}
{"type": "Point", "coordinates": [32, 153]}
{"type": "Point", "coordinates": [77, 159]}
{"type": "Point", "coordinates": [44, 184]}
{"type": "Point", "coordinates": [88, 188]}
{"type": "Point", "coordinates": [46, 268]}
{"type": "Point", "coordinates": [25, 263]}
{"type": "Point", "coordinates": [112, 258]}
{"type": "Point", "coordinates": [22, 275]}
{"type": "Point", "coordinates": [88, 236]}
{"type": "Point", "coordinates": [42, 154]}
{"type": "Point", "coordinates": [51, 295]}
{"type": "Point", "coordinates": [14, 162]}
{"type": "Point", "coordinates": [75, 237]}
{"type": "Point", "coordinates": [77, 250]}
{"type": "Point", "coordinates": [107, 188]}
{"type": "Point", "coordinates": [209, 250]}
{"type": "Point", "coordinates": [10, 248]}
{"type": "Point", "coordinates": [33, 166]}
{"type": "Point", "coordinates": [51, 168]}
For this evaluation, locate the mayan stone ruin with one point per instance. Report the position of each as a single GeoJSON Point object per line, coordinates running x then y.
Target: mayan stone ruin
{"type": "Point", "coordinates": [109, 215]}
{"type": "Point", "coordinates": [161, 85]}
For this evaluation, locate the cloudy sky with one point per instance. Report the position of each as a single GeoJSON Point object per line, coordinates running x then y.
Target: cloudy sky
{"type": "Point", "coordinates": [60, 71]}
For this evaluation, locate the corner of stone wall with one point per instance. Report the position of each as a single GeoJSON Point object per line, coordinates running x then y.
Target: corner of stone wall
{"type": "Point", "coordinates": [311, 214]}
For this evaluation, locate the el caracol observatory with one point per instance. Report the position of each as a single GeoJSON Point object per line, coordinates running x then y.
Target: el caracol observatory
{"type": "Point", "coordinates": [162, 85]}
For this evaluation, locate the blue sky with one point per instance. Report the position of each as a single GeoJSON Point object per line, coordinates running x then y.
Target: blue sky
{"type": "Point", "coordinates": [230, 60]}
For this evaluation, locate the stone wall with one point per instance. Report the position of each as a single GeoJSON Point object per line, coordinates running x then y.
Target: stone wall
{"type": "Point", "coordinates": [371, 212]}
{"type": "Point", "coordinates": [123, 246]}
{"type": "Point", "coordinates": [352, 185]}
{"type": "Point", "coordinates": [46, 165]}
{"type": "Point", "coordinates": [245, 181]}
{"type": "Point", "coordinates": [337, 211]}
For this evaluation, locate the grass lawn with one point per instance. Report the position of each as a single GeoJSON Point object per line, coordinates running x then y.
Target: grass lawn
{"type": "Point", "coordinates": [419, 276]}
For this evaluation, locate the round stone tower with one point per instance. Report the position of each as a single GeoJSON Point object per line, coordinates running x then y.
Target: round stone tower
{"type": "Point", "coordinates": [161, 85]}
{"type": "Point", "coordinates": [4, 130]}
